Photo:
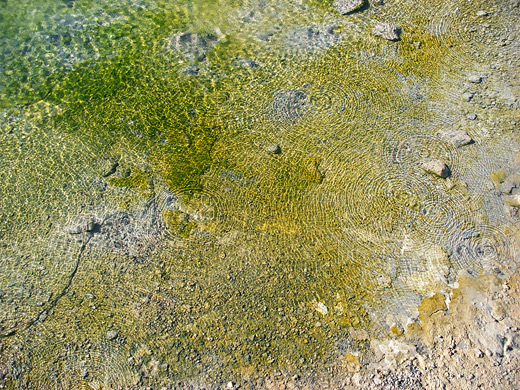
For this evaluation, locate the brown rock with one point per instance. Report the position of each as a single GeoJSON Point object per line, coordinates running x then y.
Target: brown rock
{"type": "Point", "coordinates": [437, 167]}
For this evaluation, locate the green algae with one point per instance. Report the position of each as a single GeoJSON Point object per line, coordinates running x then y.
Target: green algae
{"type": "Point", "coordinates": [268, 238]}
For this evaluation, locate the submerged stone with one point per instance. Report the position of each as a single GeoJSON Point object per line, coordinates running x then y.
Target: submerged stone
{"type": "Point", "coordinates": [314, 37]}
{"type": "Point", "coordinates": [289, 105]}
{"type": "Point", "coordinates": [274, 149]}
{"type": "Point", "coordinates": [475, 79]}
{"type": "Point", "coordinates": [111, 335]}
{"type": "Point", "coordinates": [193, 47]}
{"type": "Point", "coordinates": [513, 201]}
{"type": "Point", "coordinates": [347, 6]}
{"type": "Point", "coordinates": [437, 167]}
{"type": "Point", "coordinates": [456, 137]}
{"type": "Point", "coordinates": [387, 31]}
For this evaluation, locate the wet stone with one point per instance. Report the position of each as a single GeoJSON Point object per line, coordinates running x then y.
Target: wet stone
{"type": "Point", "coordinates": [387, 31]}
{"type": "Point", "coordinates": [251, 64]}
{"type": "Point", "coordinates": [467, 96]}
{"type": "Point", "coordinates": [347, 6]}
{"type": "Point", "coordinates": [82, 225]}
{"type": "Point", "coordinates": [475, 79]}
{"type": "Point", "coordinates": [457, 138]}
{"type": "Point", "coordinates": [507, 186]}
{"type": "Point", "coordinates": [314, 37]}
{"type": "Point", "coordinates": [513, 201]}
{"type": "Point", "coordinates": [437, 168]}
{"type": "Point", "coordinates": [109, 167]}
{"type": "Point", "coordinates": [112, 335]}
{"type": "Point", "coordinates": [274, 149]}
{"type": "Point", "coordinates": [191, 46]}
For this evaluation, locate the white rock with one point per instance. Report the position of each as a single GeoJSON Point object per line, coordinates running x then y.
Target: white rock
{"type": "Point", "coordinates": [322, 309]}
{"type": "Point", "coordinates": [475, 78]}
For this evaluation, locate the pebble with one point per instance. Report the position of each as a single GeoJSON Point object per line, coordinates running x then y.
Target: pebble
{"type": "Point", "coordinates": [387, 31]}
{"type": "Point", "coordinates": [437, 167]}
{"type": "Point", "coordinates": [457, 138]}
{"type": "Point", "coordinates": [513, 200]}
{"type": "Point", "coordinates": [109, 167]}
{"type": "Point", "coordinates": [467, 96]}
{"type": "Point", "coordinates": [482, 13]}
{"type": "Point", "coordinates": [474, 78]}
{"type": "Point", "coordinates": [274, 149]}
{"type": "Point", "coordinates": [471, 116]}
{"type": "Point", "coordinates": [347, 6]}
{"type": "Point", "coordinates": [111, 335]}
{"type": "Point", "coordinates": [322, 309]}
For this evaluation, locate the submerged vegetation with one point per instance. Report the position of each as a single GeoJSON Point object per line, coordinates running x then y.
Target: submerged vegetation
{"type": "Point", "coordinates": [206, 251]}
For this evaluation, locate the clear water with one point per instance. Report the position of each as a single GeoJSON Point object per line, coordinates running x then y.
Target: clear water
{"type": "Point", "coordinates": [203, 191]}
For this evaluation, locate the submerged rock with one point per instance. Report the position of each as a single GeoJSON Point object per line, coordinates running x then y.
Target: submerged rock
{"type": "Point", "coordinates": [289, 105]}
{"type": "Point", "coordinates": [192, 46]}
{"type": "Point", "coordinates": [457, 138]}
{"type": "Point", "coordinates": [467, 96]}
{"type": "Point", "coordinates": [347, 6]}
{"type": "Point", "coordinates": [314, 37]}
{"type": "Point", "coordinates": [437, 167]}
{"type": "Point", "coordinates": [112, 335]}
{"type": "Point", "coordinates": [387, 31]}
{"type": "Point", "coordinates": [475, 79]}
{"type": "Point", "coordinates": [513, 200]}
{"type": "Point", "coordinates": [274, 149]}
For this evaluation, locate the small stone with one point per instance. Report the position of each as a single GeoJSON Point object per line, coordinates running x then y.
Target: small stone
{"type": "Point", "coordinates": [467, 96]}
{"type": "Point", "coordinates": [457, 138]}
{"type": "Point", "coordinates": [471, 116]}
{"type": "Point", "coordinates": [475, 79]}
{"type": "Point", "coordinates": [347, 6]}
{"type": "Point", "coordinates": [274, 149]}
{"type": "Point", "coordinates": [498, 177]}
{"type": "Point", "coordinates": [387, 31]}
{"type": "Point", "coordinates": [91, 225]}
{"type": "Point", "coordinates": [513, 200]}
{"type": "Point", "coordinates": [230, 385]}
{"type": "Point", "coordinates": [251, 64]}
{"type": "Point", "coordinates": [109, 167]}
{"type": "Point", "coordinates": [507, 186]}
{"type": "Point", "coordinates": [112, 335]}
{"type": "Point", "coordinates": [498, 313]}
{"type": "Point", "coordinates": [417, 44]}
{"type": "Point", "coordinates": [437, 168]}
{"type": "Point", "coordinates": [322, 309]}
{"type": "Point", "coordinates": [482, 13]}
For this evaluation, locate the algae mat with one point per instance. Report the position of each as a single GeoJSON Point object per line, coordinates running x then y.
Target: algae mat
{"type": "Point", "coordinates": [199, 192]}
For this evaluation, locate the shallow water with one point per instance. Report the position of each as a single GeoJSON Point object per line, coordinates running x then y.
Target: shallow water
{"type": "Point", "coordinates": [199, 192]}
